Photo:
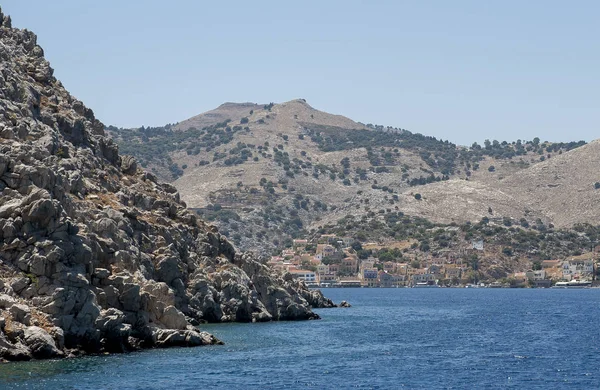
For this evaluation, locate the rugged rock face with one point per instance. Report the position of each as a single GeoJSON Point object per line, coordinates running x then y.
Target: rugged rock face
{"type": "Point", "coordinates": [96, 255]}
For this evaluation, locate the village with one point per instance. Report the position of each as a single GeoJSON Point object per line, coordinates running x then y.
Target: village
{"type": "Point", "coordinates": [332, 261]}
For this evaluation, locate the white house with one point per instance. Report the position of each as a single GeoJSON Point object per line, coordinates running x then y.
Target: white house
{"type": "Point", "coordinates": [577, 267]}
{"type": "Point", "coordinates": [305, 275]}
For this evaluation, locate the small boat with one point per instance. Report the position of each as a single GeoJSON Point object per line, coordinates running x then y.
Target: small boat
{"type": "Point", "coordinates": [425, 285]}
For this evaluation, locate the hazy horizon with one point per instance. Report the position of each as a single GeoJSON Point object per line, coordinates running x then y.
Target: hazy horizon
{"type": "Point", "coordinates": [462, 71]}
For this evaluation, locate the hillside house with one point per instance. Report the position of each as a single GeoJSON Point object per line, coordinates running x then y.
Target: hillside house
{"type": "Point", "coordinates": [574, 268]}
{"type": "Point", "coordinates": [304, 275]}
{"type": "Point", "coordinates": [452, 271]}
{"type": "Point", "coordinates": [327, 239]}
{"type": "Point", "coordinates": [325, 274]}
{"type": "Point", "coordinates": [370, 277]}
{"type": "Point", "coordinates": [367, 264]}
{"type": "Point", "coordinates": [347, 241]}
{"type": "Point", "coordinates": [334, 268]}
{"type": "Point", "coordinates": [386, 279]}
{"type": "Point", "coordinates": [389, 266]}
{"type": "Point", "coordinates": [519, 279]}
{"type": "Point", "coordinates": [349, 265]}
{"type": "Point", "coordinates": [436, 270]}
{"type": "Point", "coordinates": [300, 244]}
{"type": "Point", "coordinates": [423, 277]}
{"type": "Point", "coordinates": [536, 275]}
{"type": "Point", "coordinates": [325, 250]}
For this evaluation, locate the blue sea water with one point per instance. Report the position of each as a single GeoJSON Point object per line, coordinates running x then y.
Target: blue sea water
{"type": "Point", "coordinates": [389, 339]}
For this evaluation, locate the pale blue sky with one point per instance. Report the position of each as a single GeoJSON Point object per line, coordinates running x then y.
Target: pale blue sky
{"type": "Point", "coordinates": [458, 70]}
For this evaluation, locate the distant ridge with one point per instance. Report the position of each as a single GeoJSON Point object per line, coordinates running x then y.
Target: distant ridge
{"type": "Point", "coordinates": [287, 169]}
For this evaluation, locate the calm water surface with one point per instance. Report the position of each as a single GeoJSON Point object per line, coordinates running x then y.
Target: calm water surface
{"type": "Point", "coordinates": [390, 338]}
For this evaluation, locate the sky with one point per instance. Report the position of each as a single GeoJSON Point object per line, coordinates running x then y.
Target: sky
{"type": "Point", "coordinates": [458, 70]}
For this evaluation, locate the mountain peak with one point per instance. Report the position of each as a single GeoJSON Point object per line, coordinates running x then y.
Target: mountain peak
{"type": "Point", "coordinates": [237, 105]}
{"type": "Point", "coordinates": [298, 101]}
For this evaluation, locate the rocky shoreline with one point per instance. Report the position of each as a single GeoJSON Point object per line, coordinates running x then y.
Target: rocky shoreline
{"type": "Point", "coordinates": [97, 255]}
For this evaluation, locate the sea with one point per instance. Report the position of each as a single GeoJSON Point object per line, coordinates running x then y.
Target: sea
{"type": "Point", "coordinates": [389, 339]}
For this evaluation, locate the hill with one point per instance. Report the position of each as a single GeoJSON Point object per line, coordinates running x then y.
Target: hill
{"type": "Point", "coordinates": [560, 191]}
{"type": "Point", "coordinates": [267, 173]}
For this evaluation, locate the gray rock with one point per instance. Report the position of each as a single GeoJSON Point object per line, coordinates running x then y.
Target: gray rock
{"type": "Point", "coordinates": [173, 318]}
{"type": "Point", "coordinates": [168, 270]}
{"type": "Point", "coordinates": [114, 331]}
{"type": "Point", "coordinates": [128, 165]}
{"type": "Point", "coordinates": [63, 302]}
{"type": "Point", "coordinates": [59, 337]}
{"type": "Point", "coordinates": [112, 297]}
{"type": "Point", "coordinates": [183, 338]}
{"type": "Point", "coordinates": [16, 351]}
{"type": "Point", "coordinates": [9, 208]}
{"type": "Point", "coordinates": [41, 212]}
{"type": "Point", "coordinates": [40, 343]}
{"type": "Point", "coordinates": [20, 313]}
{"type": "Point", "coordinates": [130, 298]}
{"type": "Point", "coordinates": [38, 265]}
{"type": "Point", "coordinates": [101, 273]}
{"type": "Point", "coordinates": [6, 301]}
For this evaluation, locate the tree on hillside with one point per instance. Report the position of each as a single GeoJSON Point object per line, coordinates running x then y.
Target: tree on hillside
{"type": "Point", "coordinates": [329, 260]}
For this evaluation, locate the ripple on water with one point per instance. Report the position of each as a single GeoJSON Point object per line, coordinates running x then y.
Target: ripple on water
{"type": "Point", "coordinates": [390, 338]}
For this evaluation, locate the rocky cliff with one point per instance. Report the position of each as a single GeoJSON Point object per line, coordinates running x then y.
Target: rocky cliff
{"type": "Point", "coordinates": [95, 254]}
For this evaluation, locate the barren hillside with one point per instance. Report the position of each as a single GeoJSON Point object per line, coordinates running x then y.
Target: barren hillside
{"type": "Point", "coordinates": [559, 190]}
{"type": "Point", "coordinates": [563, 187]}
{"type": "Point", "coordinates": [267, 173]}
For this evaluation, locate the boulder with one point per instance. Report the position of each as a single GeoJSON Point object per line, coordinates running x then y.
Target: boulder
{"type": "Point", "coordinates": [168, 270]}
{"type": "Point", "coordinates": [315, 298]}
{"type": "Point", "coordinates": [6, 301]}
{"type": "Point", "coordinates": [130, 298]}
{"type": "Point", "coordinates": [20, 313]}
{"type": "Point", "coordinates": [128, 165]}
{"type": "Point", "coordinates": [40, 343]}
{"type": "Point", "coordinates": [16, 351]}
{"type": "Point", "coordinates": [183, 338]}
{"type": "Point", "coordinates": [115, 333]}
{"type": "Point", "coordinates": [173, 318]}
{"type": "Point", "coordinates": [19, 284]}
{"type": "Point", "coordinates": [40, 212]}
